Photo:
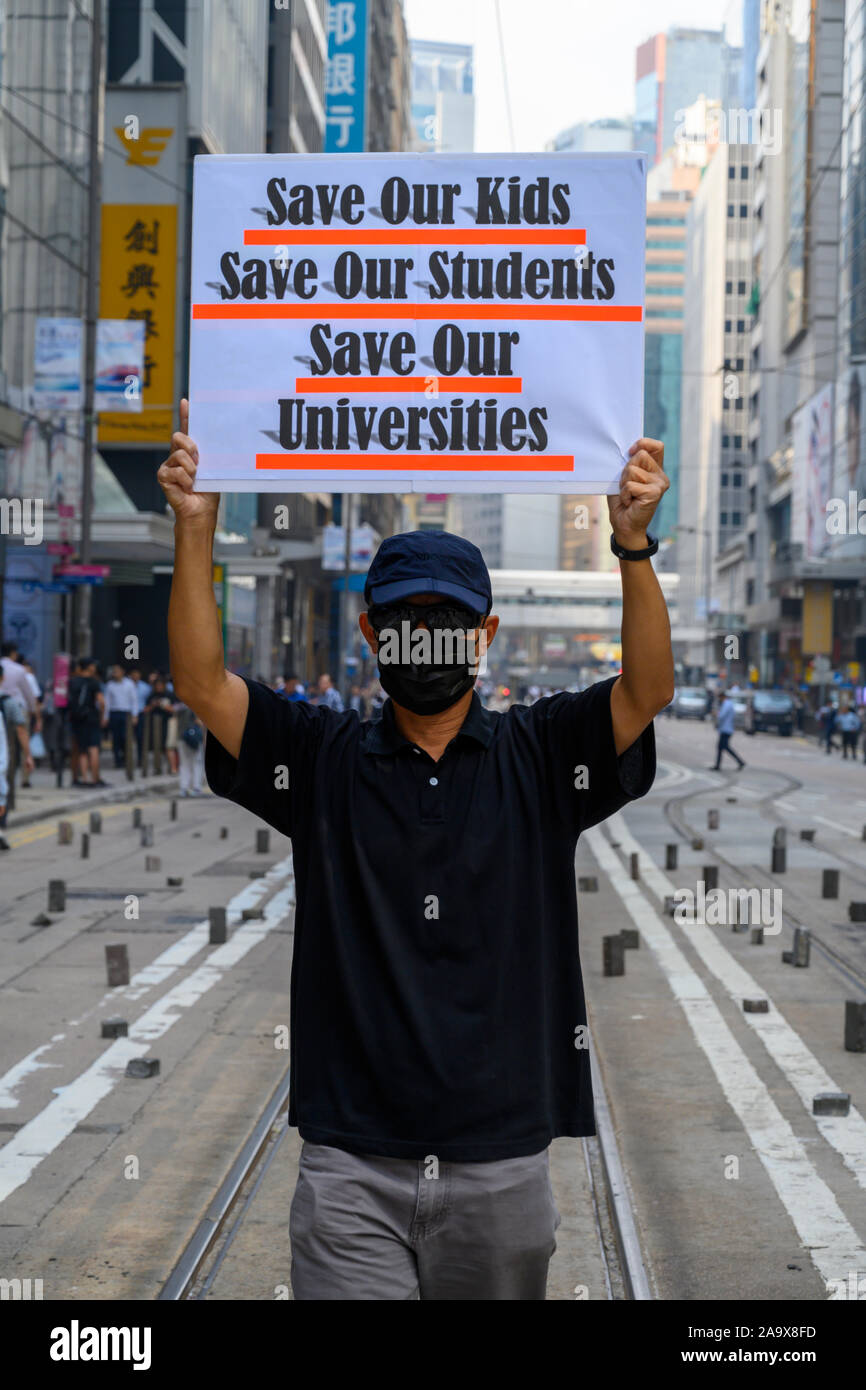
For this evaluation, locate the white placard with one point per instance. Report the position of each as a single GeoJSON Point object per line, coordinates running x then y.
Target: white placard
{"type": "Point", "coordinates": [416, 323]}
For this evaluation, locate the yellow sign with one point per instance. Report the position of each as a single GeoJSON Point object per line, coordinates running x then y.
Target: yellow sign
{"type": "Point", "coordinates": [139, 281]}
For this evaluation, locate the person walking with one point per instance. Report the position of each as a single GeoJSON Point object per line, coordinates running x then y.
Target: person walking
{"type": "Point", "coordinates": [725, 728]}
{"type": "Point", "coordinates": [328, 694]}
{"type": "Point", "coordinates": [190, 750]}
{"type": "Point", "coordinates": [436, 987]}
{"type": "Point", "coordinates": [121, 705]}
{"type": "Point", "coordinates": [87, 719]}
{"type": "Point", "coordinates": [142, 695]}
{"type": "Point", "coordinates": [848, 723]}
{"type": "Point", "coordinates": [4, 769]}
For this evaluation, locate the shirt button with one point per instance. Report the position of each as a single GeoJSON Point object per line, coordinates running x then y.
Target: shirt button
{"type": "Point", "coordinates": [434, 781]}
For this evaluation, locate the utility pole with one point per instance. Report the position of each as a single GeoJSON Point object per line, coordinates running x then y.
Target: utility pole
{"type": "Point", "coordinates": [342, 667]}
{"type": "Point", "coordinates": [84, 635]}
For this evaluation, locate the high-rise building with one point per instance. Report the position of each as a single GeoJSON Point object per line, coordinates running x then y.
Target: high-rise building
{"type": "Point", "coordinates": [798, 601]}
{"type": "Point", "coordinates": [443, 97]}
{"type": "Point", "coordinates": [604, 136]}
{"type": "Point", "coordinates": [715, 394]}
{"type": "Point", "coordinates": [671, 71]}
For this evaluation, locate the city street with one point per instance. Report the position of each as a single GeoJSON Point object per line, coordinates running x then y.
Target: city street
{"type": "Point", "coordinates": [738, 1191]}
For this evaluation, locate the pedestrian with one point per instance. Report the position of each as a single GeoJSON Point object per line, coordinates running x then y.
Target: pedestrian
{"type": "Point", "coordinates": [121, 706]}
{"type": "Point", "coordinates": [4, 770]}
{"type": "Point", "coordinates": [142, 695]}
{"type": "Point", "coordinates": [848, 723]}
{"type": "Point", "coordinates": [292, 688]}
{"type": "Point", "coordinates": [725, 728]}
{"type": "Point", "coordinates": [87, 720]}
{"type": "Point", "coordinates": [158, 711]}
{"type": "Point", "coordinates": [328, 694]}
{"type": "Point", "coordinates": [26, 691]}
{"type": "Point", "coordinates": [190, 748]}
{"type": "Point", "coordinates": [436, 988]}
{"type": "Point", "coordinates": [828, 724]}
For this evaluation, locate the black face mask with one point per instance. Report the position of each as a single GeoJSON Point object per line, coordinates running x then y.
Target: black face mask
{"type": "Point", "coordinates": [426, 689]}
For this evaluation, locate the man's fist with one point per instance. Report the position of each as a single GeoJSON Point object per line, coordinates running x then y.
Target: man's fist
{"type": "Point", "coordinates": [177, 474]}
{"type": "Point", "coordinates": [641, 487]}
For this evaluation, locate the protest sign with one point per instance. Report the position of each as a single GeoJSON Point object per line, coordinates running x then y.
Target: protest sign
{"type": "Point", "coordinates": [416, 323]}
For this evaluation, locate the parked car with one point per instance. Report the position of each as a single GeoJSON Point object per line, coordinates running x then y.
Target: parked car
{"type": "Point", "coordinates": [741, 704]}
{"type": "Point", "coordinates": [690, 703]}
{"type": "Point", "coordinates": [769, 710]}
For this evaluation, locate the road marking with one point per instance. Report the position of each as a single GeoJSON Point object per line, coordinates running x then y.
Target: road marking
{"type": "Point", "coordinates": [37, 1139]}
{"type": "Point", "coordinates": [798, 1065]}
{"type": "Point", "coordinates": [838, 826]}
{"type": "Point", "coordinates": [164, 965]}
{"type": "Point", "coordinates": [825, 1232]}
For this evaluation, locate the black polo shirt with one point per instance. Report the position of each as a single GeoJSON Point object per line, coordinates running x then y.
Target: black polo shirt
{"type": "Point", "coordinates": [436, 986]}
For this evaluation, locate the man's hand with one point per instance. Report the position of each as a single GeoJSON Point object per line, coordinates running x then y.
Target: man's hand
{"type": "Point", "coordinates": [177, 474]}
{"type": "Point", "coordinates": [641, 487]}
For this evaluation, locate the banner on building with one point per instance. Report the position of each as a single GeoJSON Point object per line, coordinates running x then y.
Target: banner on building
{"type": "Point", "coordinates": [812, 474]}
{"type": "Point", "coordinates": [57, 363]}
{"type": "Point", "coordinates": [119, 365]}
{"type": "Point", "coordinates": [346, 77]}
{"type": "Point", "coordinates": [143, 195]}
{"type": "Point", "coordinates": [364, 544]}
{"type": "Point", "coordinates": [416, 323]}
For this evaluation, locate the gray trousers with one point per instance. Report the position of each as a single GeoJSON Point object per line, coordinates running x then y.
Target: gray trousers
{"type": "Point", "coordinates": [364, 1227]}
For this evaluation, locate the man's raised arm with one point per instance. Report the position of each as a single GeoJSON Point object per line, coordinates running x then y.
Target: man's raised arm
{"type": "Point", "coordinates": [646, 685]}
{"type": "Point", "coordinates": [201, 681]}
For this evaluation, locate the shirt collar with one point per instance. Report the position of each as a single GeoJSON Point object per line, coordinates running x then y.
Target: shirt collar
{"type": "Point", "coordinates": [384, 737]}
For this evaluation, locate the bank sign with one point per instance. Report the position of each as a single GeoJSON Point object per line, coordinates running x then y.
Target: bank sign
{"type": "Point", "coordinates": [416, 323]}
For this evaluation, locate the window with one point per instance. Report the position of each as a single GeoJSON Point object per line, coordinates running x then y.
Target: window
{"type": "Point", "coordinates": [750, 591]}
{"type": "Point", "coordinates": [732, 171]}
{"type": "Point", "coordinates": [729, 287]}
{"type": "Point", "coordinates": [744, 171]}
{"type": "Point", "coordinates": [739, 364]}
{"type": "Point", "coordinates": [735, 518]}
{"type": "Point", "coordinates": [737, 479]}
{"type": "Point", "coordinates": [726, 439]}
{"type": "Point", "coordinates": [723, 518]}
{"type": "Point", "coordinates": [730, 209]}
{"type": "Point", "coordinates": [655, 245]}
{"type": "Point", "coordinates": [665, 221]}
{"type": "Point", "coordinates": [664, 313]}
{"type": "Point", "coordinates": [738, 441]}
{"type": "Point", "coordinates": [666, 267]}
{"type": "Point", "coordinates": [744, 209]}
{"type": "Point", "coordinates": [741, 287]}
{"type": "Point", "coordinates": [741, 325]}
{"type": "Point", "coordinates": [724, 480]}
{"type": "Point", "coordinates": [726, 404]}
{"type": "Point", "coordinates": [664, 289]}
{"type": "Point", "coordinates": [727, 325]}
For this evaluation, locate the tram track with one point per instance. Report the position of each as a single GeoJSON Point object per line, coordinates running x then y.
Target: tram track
{"type": "Point", "coordinates": [674, 813]}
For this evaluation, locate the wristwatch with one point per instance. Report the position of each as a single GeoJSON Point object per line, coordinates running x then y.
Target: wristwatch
{"type": "Point", "coordinates": [623, 554]}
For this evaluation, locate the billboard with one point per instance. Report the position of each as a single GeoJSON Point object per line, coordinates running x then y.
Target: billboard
{"type": "Point", "coordinates": [346, 77]}
{"type": "Point", "coordinates": [142, 238]}
{"type": "Point", "coordinates": [416, 322]}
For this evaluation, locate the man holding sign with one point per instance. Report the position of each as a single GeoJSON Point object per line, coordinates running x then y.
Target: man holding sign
{"type": "Point", "coordinates": [438, 1023]}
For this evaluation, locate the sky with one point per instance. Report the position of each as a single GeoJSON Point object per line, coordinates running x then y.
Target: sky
{"type": "Point", "coordinates": [573, 60]}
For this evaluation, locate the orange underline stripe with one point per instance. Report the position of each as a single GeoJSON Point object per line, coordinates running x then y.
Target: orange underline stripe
{"type": "Point", "coordinates": [592, 313]}
{"type": "Point", "coordinates": [420, 463]}
{"type": "Point", "coordinates": [445, 385]}
{"type": "Point", "coordinates": [405, 236]}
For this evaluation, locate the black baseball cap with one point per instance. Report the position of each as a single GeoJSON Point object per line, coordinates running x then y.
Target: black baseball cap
{"type": "Point", "coordinates": [429, 562]}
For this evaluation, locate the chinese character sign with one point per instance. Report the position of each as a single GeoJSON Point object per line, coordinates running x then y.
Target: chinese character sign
{"type": "Point", "coordinates": [142, 242]}
{"type": "Point", "coordinates": [346, 77]}
{"type": "Point", "coordinates": [416, 323]}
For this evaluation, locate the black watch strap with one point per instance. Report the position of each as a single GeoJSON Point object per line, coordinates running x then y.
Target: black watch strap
{"type": "Point", "coordinates": [623, 554]}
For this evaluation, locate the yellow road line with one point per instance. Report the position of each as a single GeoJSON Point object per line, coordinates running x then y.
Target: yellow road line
{"type": "Point", "coordinates": [40, 831]}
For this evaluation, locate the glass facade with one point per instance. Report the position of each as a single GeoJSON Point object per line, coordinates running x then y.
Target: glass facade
{"type": "Point", "coordinates": [852, 279]}
{"type": "Point", "coordinates": [662, 405]}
